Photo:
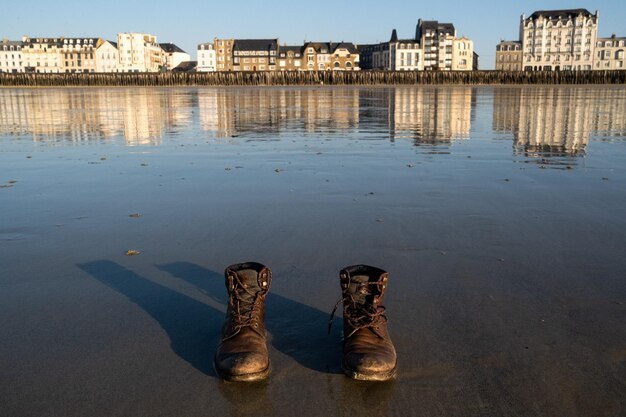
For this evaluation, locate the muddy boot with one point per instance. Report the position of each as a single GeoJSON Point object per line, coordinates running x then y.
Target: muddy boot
{"type": "Point", "coordinates": [368, 353]}
{"type": "Point", "coordinates": [242, 353]}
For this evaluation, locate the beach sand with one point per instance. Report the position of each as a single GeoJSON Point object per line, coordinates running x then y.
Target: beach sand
{"type": "Point", "coordinates": [507, 286]}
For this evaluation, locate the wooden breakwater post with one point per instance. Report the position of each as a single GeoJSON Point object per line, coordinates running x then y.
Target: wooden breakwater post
{"type": "Point", "coordinates": [308, 78]}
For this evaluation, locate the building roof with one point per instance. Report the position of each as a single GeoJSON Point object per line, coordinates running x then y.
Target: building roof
{"type": "Point", "coordinates": [408, 41]}
{"type": "Point", "coordinates": [11, 43]}
{"type": "Point", "coordinates": [255, 45]}
{"type": "Point", "coordinates": [435, 26]}
{"type": "Point", "coordinates": [284, 49]}
{"type": "Point", "coordinates": [561, 14]}
{"type": "Point", "coordinates": [331, 47]}
{"type": "Point", "coordinates": [612, 38]}
{"type": "Point", "coordinates": [516, 44]}
{"type": "Point", "coordinates": [320, 47]}
{"type": "Point", "coordinates": [344, 45]}
{"type": "Point", "coordinates": [186, 66]}
{"type": "Point", "coordinates": [171, 48]}
{"type": "Point", "coordinates": [114, 44]}
{"type": "Point", "coordinates": [28, 40]}
{"type": "Point", "coordinates": [80, 40]}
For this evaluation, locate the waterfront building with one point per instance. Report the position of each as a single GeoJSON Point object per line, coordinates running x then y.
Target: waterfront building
{"type": "Point", "coordinates": [609, 53]}
{"type": "Point", "coordinates": [174, 55]}
{"type": "Point", "coordinates": [403, 54]}
{"type": "Point", "coordinates": [78, 54]}
{"type": "Point", "coordinates": [509, 56]}
{"type": "Point", "coordinates": [11, 57]}
{"type": "Point", "coordinates": [224, 53]}
{"type": "Point", "coordinates": [344, 57]}
{"type": "Point", "coordinates": [462, 54]}
{"type": "Point", "coordinates": [324, 56]}
{"type": "Point", "coordinates": [139, 52]}
{"type": "Point", "coordinates": [317, 56]}
{"type": "Point", "coordinates": [42, 55]}
{"type": "Point", "coordinates": [395, 55]}
{"type": "Point", "coordinates": [434, 47]}
{"type": "Point", "coordinates": [254, 54]}
{"type": "Point", "coordinates": [206, 57]}
{"type": "Point", "coordinates": [107, 57]}
{"type": "Point", "coordinates": [375, 56]}
{"type": "Point", "coordinates": [475, 61]}
{"type": "Point", "coordinates": [437, 40]}
{"type": "Point", "coordinates": [290, 58]}
{"type": "Point", "coordinates": [554, 40]}
{"type": "Point", "coordinates": [559, 39]}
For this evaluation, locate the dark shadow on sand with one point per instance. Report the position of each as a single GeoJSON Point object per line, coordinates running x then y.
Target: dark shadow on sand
{"type": "Point", "coordinates": [295, 329]}
{"type": "Point", "coordinates": [193, 327]}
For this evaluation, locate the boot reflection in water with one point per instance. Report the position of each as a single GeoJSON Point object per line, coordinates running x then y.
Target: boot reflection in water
{"type": "Point", "coordinates": [368, 353]}
{"type": "Point", "coordinates": [242, 354]}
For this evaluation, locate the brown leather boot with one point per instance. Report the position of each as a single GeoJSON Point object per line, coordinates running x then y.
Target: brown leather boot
{"type": "Point", "coordinates": [368, 353]}
{"type": "Point", "coordinates": [242, 353]}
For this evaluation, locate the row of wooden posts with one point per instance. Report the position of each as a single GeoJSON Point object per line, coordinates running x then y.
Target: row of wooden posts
{"type": "Point", "coordinates": [304, 78]}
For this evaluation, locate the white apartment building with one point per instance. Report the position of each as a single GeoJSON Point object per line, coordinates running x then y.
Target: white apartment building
{"type": "Point", "coordinates": [42, 55]}
{"type": "Point", "coordinates": [107, 57]}
{"type": "Point", "coordinates": [206, 58]}
{"type": "Point", "coordinates": [405, 55]}
{"type": "Point", "coordinates": [462, 54]}
{"type": "Point", "coordinates": [434, 47]}
{"type": "Point", "coordinates": [609, 53]}
{"type": "Point", "coordinates": [11, 57]}
{"type": "Point", "coordinates": [78, 54]}
{"type": "Point", "coordinates": [559, 39]}
{"type": "Point", "coordinates": [139, 52]}
{"type": "Point", "coordinates": [437, 40]}
{"type": "Point", "coordinates": [174, 56]}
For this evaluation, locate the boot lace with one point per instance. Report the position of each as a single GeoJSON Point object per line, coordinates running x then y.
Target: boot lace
{"type": "Point", "coordinates": [243, 308]}
{"type": "Point", "coordinates": [360, 315]}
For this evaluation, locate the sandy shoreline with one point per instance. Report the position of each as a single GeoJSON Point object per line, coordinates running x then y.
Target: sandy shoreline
{"type": "Point", "coordinates": [506, 293]}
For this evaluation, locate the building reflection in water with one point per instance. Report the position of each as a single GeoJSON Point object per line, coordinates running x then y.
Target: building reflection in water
{"type": "Point", "coordinates": [429, 116]}
{"type": "Point", "coordinates": [144, 116]}
{"type": "Point", "coordinates": [557, 121]}
{"type": "Point", "coordinates": [269, 111]}
{"type": "Point", "coordinates": [544, 121]}
{"type": "Point", "coordinates": [139, 116]}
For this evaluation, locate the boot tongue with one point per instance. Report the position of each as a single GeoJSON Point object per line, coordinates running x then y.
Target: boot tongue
{"type": "Point", "coordinates": [360, 291]}
{"type": "Point", "coordinates": [249, 278]}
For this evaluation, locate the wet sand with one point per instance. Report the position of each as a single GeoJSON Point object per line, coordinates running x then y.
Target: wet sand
{"type": "Point", "coordinates": [507, 291]}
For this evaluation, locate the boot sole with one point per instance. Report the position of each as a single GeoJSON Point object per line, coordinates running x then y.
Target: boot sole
{"type": "Point", "coordinates": [257, 376]}
{"type": "Point", "coordinates": [374, 376]}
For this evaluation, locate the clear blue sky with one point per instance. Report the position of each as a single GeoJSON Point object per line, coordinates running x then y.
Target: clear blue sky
{"type": "Point", "coordinates": [187, 23]}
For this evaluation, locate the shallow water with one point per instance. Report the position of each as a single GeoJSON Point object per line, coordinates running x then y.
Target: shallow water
{"type": "Point", "coordinates": [498, 211]}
